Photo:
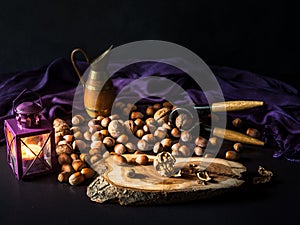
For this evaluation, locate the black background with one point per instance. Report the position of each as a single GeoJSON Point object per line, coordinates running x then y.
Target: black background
{"type": "Point", "coordinates": [259, 36]}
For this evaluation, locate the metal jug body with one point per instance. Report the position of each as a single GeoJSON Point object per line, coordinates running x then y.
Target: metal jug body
{"type": "Point", "coordinates": [99, 92]}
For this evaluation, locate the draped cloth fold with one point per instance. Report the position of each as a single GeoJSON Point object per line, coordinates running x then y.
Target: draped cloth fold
{"type": "Point", "coordinates": [56, 83]}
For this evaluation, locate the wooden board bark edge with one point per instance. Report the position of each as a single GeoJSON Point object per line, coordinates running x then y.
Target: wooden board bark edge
{"type": "Point", "coordinates": [107, 187]}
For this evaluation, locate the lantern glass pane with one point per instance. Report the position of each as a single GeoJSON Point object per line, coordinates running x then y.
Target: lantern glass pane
{"type": "Point", "coordinates": [36, 153]}
{"type": "Point", "coordinates": [11, 148]}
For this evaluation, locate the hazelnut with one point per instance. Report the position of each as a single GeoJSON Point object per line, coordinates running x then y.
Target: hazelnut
{"type": "Point", "coordinates": [126, 111]}
{"type": "Point", "coordinates": [201, 141]}
{"type": "Point", "coordinates": [115, 128]}
{"type": "Point", "coordinates": [186, 136]}
{"type": "Point", "coordinates": [231, 155]}
{"type": "Point", "coordinates": [87, 136]}
{"type": "Point", "coordinates": [213, 141]}
{"type": "Point", "coordinates": [64, 158]}
{"type": "Point", "coordinates": [167, 142]}
{"type": "Point", "coordinates": [94, 151]}
{"type": "Point", "coordinates": [149, 138]}
{"type": "Point", "coordinates": [131, 106]}
{"type": "Point", "coordinates": [252, 132]}
{"type": "Point", "coordinates": [119, 160]}
{"type": "Point", "coordinates": [142, 159]}
{"type": "Point", "coordinates": [104, 132]}
{"type": "Point", "coordinates": [238, 147]}
{"type": "Point", "coordinates": [74, 156]}
{"type": "Point", "coordinates": [78, 135]}
{"type": "Point", "coordinates": [150, 111]}
{"type": "Point", "coordinates": [123, 138]}
{"type": "Point", "coordinates": [137, 152]}
{"type": "Point", "coordinates": [139, 133]}
{"type": "Point", "coordinates": [100, 118]}
{"type": "Point", "coordinates": [142, 145]}
{"type": "Point", "coordinates": [157, 106]}
{"type": "Point", "coordinates": [139, 123]}
{"type": "Point", "coordinates": [94, 128]}
{"type": "Point", "coordinates": [76, 178]}
{"type": "Point", "coordinates": [120, 149]}
{"type": "Point", "coordinates": [160, 133]}
{"type": "Point", "coordinates": [67, 168]}
{"type": "Point", "coordinates": [130, 147]}
{"type": "Point", "coordinates": [105, 121]}
{"type": "Point", "coordinates": [136, 115]}
{"type": "Point", "coordinates": [88, 173]}
{"type": "Point", "coordinates": [175, 147]}
{"type": "Point", "coordinates": [94, 122]}
{"type": "Point", "coordinates": [68, 138]}
{"type": "Point", "coordinates": [166, 126]}
{"type": "Point", "coordinates": [168, 105]}
{"type": "Point", "coordinates": [62, 142]}
{"type": "Point", "coordinates": [146, 129]}
{"type": "Point", "coordinates": [78, 165]}
{"type": "Point", "coordinates": [158, 147]}
{"type": "Point", "coordinates": [109, 142]}
{"type": "Point", "coordinates": [198, 151]}
{"type": "Point", "coordinates": [77, 119]}
{"type": "Point", "coordinates": [79, 145]}
{"type": "Point", "coordinates": [97, 136]}
{"type": "Point", "coordinates": [106, 154]}
{"type": "Point", "coordinates": [150, 120]}
{"type": "Point", "coordinates": [114, 117]}
{"type": "Point", "coordinates": [84, 157]}
{"type": "Point", "coordinates": [237, 122]}
{"type": "Point", "coordinates": [208, 155]}
{"type": "Point", "coordinates": [97, 144]}
{"type": "Point", "coordinates": [184, 151]}
{"type": "Point", "coordinates": [63, 176]}
{"type": "Point", "coordinates": [74, 129]}
{"type": "Point", "coordinates": [175, 132]}
{"type": "Point", "coordinates": [175, 153]}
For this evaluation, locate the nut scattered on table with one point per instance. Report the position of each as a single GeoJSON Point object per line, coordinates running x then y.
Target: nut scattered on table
{"type": "Point", "coordinates": [140, 131]}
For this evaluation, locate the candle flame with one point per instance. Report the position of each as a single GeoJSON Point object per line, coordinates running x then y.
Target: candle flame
{"type": "Point", "coordinates": [27, 154]}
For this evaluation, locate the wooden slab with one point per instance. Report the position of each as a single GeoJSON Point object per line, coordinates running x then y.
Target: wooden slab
{"type": "Point", "coordinates": [148, 187]}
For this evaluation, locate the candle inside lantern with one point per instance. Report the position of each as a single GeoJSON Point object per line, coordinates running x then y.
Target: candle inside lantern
{"type": "Point", "coordinates": [30, 151]}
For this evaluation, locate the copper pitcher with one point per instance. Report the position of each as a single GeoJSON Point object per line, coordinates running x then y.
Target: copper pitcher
{"type": "Point", "coordinates": [99, 92]}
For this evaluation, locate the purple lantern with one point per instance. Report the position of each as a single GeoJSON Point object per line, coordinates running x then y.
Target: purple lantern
{"type": "Point", "coordinates": [30, 140]}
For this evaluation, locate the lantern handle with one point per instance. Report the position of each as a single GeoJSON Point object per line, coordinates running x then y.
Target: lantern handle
{"type": "Point", "coordinates": [22, 93]}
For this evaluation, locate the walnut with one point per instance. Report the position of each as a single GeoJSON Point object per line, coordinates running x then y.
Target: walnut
{"type": "Point", "coordinates": [184, 121]}
{"type": "Point", "coordinates": [164, 164]}
{"type": "Point", "coordinates": [116, 128]}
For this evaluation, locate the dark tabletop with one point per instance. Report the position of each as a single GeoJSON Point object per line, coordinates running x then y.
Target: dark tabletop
{"type": "Point", "coordinates": [44, 200]}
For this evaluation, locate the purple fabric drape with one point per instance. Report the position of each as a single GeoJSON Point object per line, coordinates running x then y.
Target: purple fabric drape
{"type": "Point", "coordinates": [280, 116]}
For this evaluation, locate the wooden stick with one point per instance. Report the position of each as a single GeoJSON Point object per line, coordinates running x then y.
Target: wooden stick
{"type": "Point", "coordinates": [234, 105]}
{"type": "Point", "coordinates": [236, 136]}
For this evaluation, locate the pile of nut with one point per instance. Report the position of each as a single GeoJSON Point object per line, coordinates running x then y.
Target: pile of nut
{"type": "Point", "coordinates": [134, 130]}
{"type": "Point", "coordinates": [73, 168]}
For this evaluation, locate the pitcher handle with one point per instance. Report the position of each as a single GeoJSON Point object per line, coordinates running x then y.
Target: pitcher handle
{"type": "Point", "coordinates": [75, 65]}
